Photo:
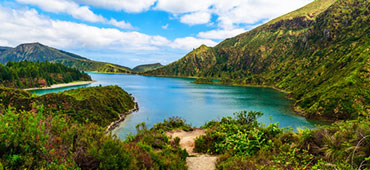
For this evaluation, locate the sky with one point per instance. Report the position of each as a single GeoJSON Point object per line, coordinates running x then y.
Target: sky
{"type": "Point", "coordinates": [133, 32]}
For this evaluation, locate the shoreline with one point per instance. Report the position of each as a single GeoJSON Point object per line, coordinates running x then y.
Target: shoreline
{"type": "Point", "coordinates": [295, 108]}
{"type": "Point", "coordinates": [122, 117]}
{"type": "Point", "coordinates": [57, 86]}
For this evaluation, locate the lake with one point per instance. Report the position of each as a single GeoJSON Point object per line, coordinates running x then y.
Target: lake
{"type": "Point", "coordinates": [160, 98]}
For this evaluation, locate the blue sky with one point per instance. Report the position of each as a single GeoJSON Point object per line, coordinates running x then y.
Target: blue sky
{"type": "Point", "coordinates": [133, 32]}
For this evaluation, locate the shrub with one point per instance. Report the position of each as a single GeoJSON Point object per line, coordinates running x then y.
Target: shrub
{"type": "Point", "coordinates": [171, 124]}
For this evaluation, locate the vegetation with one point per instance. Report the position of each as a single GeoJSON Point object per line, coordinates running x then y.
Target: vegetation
{"type": "Point", "coordinates": [27, 74]}
{"type": "Point", "coordinates": [203, 81]}
{"type": "Point", "coordinates": [243, 143]}
{"type": "Point", "coordinates": [173, 123]}
{"type": "Point", "coordinates": [49, 140]}
{"type": "Point", "coordinates": [66, 130]}
{"type": "Point", "coordinates": [99, 105]}
{"type": "Point", "coordinates": [320, 53]}
{"type": "Point", "coordinates": [38, 52]}
{"type": "Point", "coordinates": [52, 140]}
{"type": "Point", "coordinates": [147, 67]}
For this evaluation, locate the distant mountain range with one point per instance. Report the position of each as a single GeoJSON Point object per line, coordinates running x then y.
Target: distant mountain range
{"type": "Point", "coordinates": [320, 53]}
{"type": "Point", "coordinates": [147, 67]}
{"type": "Point", "coordinates": [38, 52]}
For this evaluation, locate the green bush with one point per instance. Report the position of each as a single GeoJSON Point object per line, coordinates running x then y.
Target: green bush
{"type": "Point", "coordinates": [171, 124]}
{"type": "Point", "coordinates": [241, 135]}
{"type": "Point", "coordinates": [243, 143]}
{"type": "Point", "coordinates": [38, 140]}
{"type": "Point", "coordinates": [113, 156]}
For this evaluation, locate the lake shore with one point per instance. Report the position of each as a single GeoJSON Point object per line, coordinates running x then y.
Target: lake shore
{"type": "Point", "coordinates": [122, 117]}
{"type": "Point", "coordinates": [295, 108]}
{"type": "Point", "coordinates": [57, 86]}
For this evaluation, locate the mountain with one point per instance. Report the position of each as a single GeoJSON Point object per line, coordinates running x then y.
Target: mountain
{"type": "Point", "coordinates": [147, 67]}
{"type": "Point", "coordinates": [3, 49]}
{"type": "Point", "coordinates": [38, 52]}
{"type": "Point", "coordinates": [319, 53]}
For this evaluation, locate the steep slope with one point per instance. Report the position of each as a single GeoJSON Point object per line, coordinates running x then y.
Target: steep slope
{"type": "Point", "coordinates": [38, 52]}
{"type": "Point", "coordinates": [319, 53]}
{"type": "Point", "coordinates": [3, 49]}
{"type": "Point", "coordinates": [147, 67]}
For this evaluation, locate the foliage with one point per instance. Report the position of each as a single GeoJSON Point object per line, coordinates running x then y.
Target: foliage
{"type": "Point", "coordinates": [203, 81]}
{"type": "Point", "coordinates": [319, 53]}
{"type": "Point", "coordinates": [244, 144]}
{"type": "Point", "coordinates": [172, 123]}
{"type": "Point", "coordinates": [154, 139]}
{"type": "Point", "coordinates": [99, 105]}
{"type": "Point", "coordinates": [146, 67]}
{"type": "Point", "coordinates": [38, 140]}
{"type": "Point", "coordinates": [242, 135]}
{"type": "Point", "coordinates": [37, 52]}
{"type": "Point", "coordinates": [27, 74]}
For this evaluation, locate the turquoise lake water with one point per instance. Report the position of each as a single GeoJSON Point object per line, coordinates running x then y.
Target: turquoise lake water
{"type": "Point", "coordinates": [160, 98]}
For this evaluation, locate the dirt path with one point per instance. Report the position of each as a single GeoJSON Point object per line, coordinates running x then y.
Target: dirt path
{"type": "Point", "coordinates": [196, 161]}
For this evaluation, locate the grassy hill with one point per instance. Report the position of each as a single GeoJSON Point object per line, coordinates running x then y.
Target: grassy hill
{"type": "Point", "coordinates": [147, 67]}
{"type": "Point", "coordinates": [320, 53]}
{"type": "Point", "coordinates": [38, 52]}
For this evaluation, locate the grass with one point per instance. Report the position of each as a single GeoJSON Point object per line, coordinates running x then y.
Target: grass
{"type": "Point", "coordinates": [310, 11]}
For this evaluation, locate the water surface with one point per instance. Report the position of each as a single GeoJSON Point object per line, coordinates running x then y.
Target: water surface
{"type": "Point", "coordinates": [160, 98]}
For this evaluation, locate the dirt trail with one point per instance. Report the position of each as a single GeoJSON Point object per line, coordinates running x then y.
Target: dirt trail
{"type": "Point", "coordinates": [196, 161]}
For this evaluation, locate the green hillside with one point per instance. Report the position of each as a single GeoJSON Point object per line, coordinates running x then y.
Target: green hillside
{"type": "Point", "coordinates": [320, 53]}
{"type": "Point", "coordinates": [147, 67]}
{"type": "Point", "coordinates": [27, 74]}
{"type": "Point", "coordinates": [38, 52]}
{"type": "Point", "coordinates": [100, 105]}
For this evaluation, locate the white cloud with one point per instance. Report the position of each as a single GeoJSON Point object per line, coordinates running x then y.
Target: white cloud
{"type": "Point", "coordinates": [4, 43]}
{"type": "Point", "coordinates": [126, 5]}
{"type": "Point", "coordinates": [75, 10]}
{"type": "Point", "coordinates": [120, 24]}
{"type": "Point", "coordinates": [65, 6]}
{"type": "Point", "coordinates": [165, 27]}
{"type": "Point", "coordinates": [221, 34]}
{"type": "Point", "coordinates": [159, 41]}
{"type": "Point", "coordinates": [183, 6]}
{"type": "Point", "coordinates": [196, 18]}
{"type": "Point", "coordinates": [229, 13]}
{"type": "Point", "coordinates": [253, 11]}
{"type": "Point", "coordinates": [20, 26]}
{"type": "Point", "coordinates": [189, 43]}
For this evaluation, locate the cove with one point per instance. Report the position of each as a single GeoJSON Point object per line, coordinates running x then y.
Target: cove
{"type": "Point", "coordinates": [160, 98]}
